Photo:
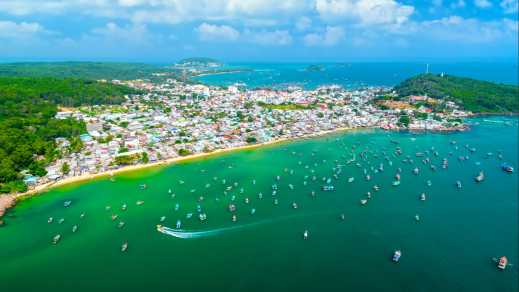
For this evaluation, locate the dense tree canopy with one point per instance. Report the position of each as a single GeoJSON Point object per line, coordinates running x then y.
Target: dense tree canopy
{"type": "Point", "coordinates": [471, 94]}
{"type": "Point", "coordinates": [27, 125]}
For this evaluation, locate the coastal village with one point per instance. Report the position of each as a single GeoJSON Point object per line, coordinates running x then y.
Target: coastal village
{"type": "Point", "coordinates": [173, 119]}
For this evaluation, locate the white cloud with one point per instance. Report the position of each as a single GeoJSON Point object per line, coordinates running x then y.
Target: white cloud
{"type": "Point", "coordinates": [211, 32]}
{"type": "Point", "coordinates": [331, 36]}
{"type": "Point", "coordinates": [366, 11]}
{"type": "Point", "coordinates": [10, 29]}
{"type": "Point", "coordinates": [458, 4]}
{"type": "Point", "coordinates": [482, 3]}
{"type": "Point", "coordinates": [509, 6]}
{"type": "Point", "coordinates": [303, 23]}
{"type": "Point", "coordinates": [276, 37]}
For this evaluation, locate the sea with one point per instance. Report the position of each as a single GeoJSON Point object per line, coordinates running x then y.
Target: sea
{"type": "Point", "coordinates": [453, 247]}
{"type": "Point", "coordinates": [355, 74]}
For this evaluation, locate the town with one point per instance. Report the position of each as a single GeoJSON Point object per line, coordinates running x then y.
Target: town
{"type": "Point", "coordinates": [174, 119]}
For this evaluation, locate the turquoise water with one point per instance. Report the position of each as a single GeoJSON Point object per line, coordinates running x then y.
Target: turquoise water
{"type": "Point", "coordinates": [354, 75]}
{"type": "Point", "coordinates": [450, 249]}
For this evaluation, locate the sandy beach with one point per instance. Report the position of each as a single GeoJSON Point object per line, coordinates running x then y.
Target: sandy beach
{"type": "Point", "coordinates": [9, 200]}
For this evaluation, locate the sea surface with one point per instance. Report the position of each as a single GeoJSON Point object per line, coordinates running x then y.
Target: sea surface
{"type": "Point", "coordinates": [355, 75]}
{"type": "Point", "coordinates": [451, 248]}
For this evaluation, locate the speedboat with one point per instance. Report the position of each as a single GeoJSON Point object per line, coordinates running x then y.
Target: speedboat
{"type": "Point", "coordinates": [458, 184]}
{"type": "Point", "coordinates": [120, 224]}
{"type": "Point", "coordinates": [396, 183]}
{"type": "Point", "coordinates": [74, 228]}
{"type": "Point", "coordinates": [163, 218]}
{"type": "Point", "coordinates": [396, 256]}
{"type": "Point", "coordinates": [138, 203]}
{"type": "Point", "coordinates": [67, 203]}
{"type": "Point", "coordinates": [124, 246]}
{"type": "Point", "coordinates": [179, 224]}
{"type": "Point", "coordinates": [50, 220]}
{"type": "Point", "coordinates": [422, 197]}
{"type": "Point", "coordinates": [351, 179]}
{"type": "Point", "coordinates": [61, 220]}
{"type": "Point", "coordinates": [305, 235]}
{"type": "Point", "coordinates": [363, 201]}
{"type": "Point", "coordinates": [417, 217]}
{"type": "Point", "coordinates": [252, 211]}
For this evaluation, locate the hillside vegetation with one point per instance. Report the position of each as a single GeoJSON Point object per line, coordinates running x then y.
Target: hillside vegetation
{"type": "Point", "coordinates": [85, 70]}
{"type": "Point", "coordinates": [28, 127]}
{"type": "Point", "coordinates": [473, 95]}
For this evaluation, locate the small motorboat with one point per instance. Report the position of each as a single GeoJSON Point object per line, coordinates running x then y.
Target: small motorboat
{"type": "Point", "coordinates": [67, 203]}
{"type": "Point", "coordinates": [231, 207]}
{"type": "Point", "coordinates": [422, 197]}
{"type": "Point", "coordinates": [179, 224]}
{"type": "Point", "coordinates": [328, 188]}
{"type": "Point", "coordinates": [138, 203]}
{"type": "Point", "coordinates": [202, 217]}
{"type": "Point", "coordinates": [396, 183]}
{"type": "Point", "coordinates": [56, 238]}
{"type": "Point", "coordinates": [124, 207]}
{"type": "Point", "coordinates": [507, 168]}
{"type": "Point", "coordinates": [502, 263]}
{"type": "Point", "coordinates": [120, 224]}
{"type": "Point", "coordinates": [82, 216]}
{"type": "Point", "coordinates": [305, 235]}
{"type": "Point", "coordinates": [397, 255]}
{"type": "Point", "coordinates": [124, 247]}
{"type": "Point", "coordinates": [50, 220]}
{"type": "Point", "coordinates": [74, 228]}
{"type": "Point", "coordinates": [234, 218]}
{"type": "Point", "coordinates": [480, 177]}
{"type": "Point", "coordinates": [61, 221]}
{"type": "Point", "coordinates": [143, 186]}
{"type": "Point", "coordinates": [163, 218]}
{"type": "Point", "coordinates": [363, 202]}
{"type": "Point", "coordinates": [253, 211]}
{"type": "Point", "coordinates": [417, 217]}
{"type": "Point", "coordinates": [458, 184]}
{"type": "Point", "coordinates": [294, 205]}
{"type": "Point", "coordinates": [342, 217]}
{"type": "Point", "coordinates": [114, 216]}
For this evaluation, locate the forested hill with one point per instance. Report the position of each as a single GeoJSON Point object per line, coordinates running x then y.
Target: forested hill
{"type": "Point", "coordinates": [473, 95]}
{"type": "Point", "coordinates": [27, 125]}
{"type": "Point", "coordinates": [66, 91]}
{"type": "Point", "coordinates": [86, 70]}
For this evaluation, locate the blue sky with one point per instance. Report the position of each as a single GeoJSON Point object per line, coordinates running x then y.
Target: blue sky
{"type": "Point", "coordinates": [258, 30]}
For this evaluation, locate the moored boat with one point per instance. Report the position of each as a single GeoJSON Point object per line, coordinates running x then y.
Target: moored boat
{"type": "Point", "coordinates": [396, 256]}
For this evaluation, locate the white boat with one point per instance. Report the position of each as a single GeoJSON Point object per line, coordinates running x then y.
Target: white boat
{"type": "Point", "coordinates": [305, 235]}
{"type": "Point", "coordinates": [124, 246]}
{"type": "Point", "coordinates": [74, 228]}
{"type": "Point", "coordinates": [363, 202]}
{"type": "Point", "coordinates": [351, 179]}
{"type": "Point", "coordinates": [56, 238]}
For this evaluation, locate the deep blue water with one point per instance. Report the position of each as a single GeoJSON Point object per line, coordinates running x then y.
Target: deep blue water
{"type": "Point", "coordinates": [353, 75]}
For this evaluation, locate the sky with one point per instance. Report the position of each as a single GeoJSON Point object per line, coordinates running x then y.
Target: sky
{"type": "Point", "coordinates": [258, 30]}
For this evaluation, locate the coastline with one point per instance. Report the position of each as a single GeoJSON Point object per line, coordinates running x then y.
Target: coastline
{"type": "Point", "coordinates": [8, 201]}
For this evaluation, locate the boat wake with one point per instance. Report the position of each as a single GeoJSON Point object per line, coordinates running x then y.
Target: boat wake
{"type": "Point", "coordinates": [179, 233]}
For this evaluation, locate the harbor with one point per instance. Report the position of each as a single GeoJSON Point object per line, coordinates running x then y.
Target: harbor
{"type": "Point", "coordinates": [219, 216]}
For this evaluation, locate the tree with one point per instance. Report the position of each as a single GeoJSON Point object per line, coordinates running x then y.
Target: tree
{"type": "Point", "coordinates": [251, 139]}
{"type": "Point", "coordinates": [65, 168]}
{"type": "Point", "coordinates": [144, 157]}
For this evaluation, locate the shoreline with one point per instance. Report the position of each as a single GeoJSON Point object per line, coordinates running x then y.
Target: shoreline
{"type": "Point", "coordinates": [8, 201]}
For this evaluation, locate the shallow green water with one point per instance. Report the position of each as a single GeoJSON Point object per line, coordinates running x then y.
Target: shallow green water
{"type": "Point", "coordinates": [450, 249]}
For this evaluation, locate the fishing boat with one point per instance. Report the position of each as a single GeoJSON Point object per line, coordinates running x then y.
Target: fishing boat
{"type": "Point", "coordinates": [351, 179]}
{"type": "Point", "coordinates": [422, 197]}
{"type": "Point", "coordinates": [163, 218]}
{"type": "Point", "coordinates": [328, 188]}
{"type": "Point", "coordinates": [396, 183]}
{"type": "Point", "coordinates": [67, 203]}
{"type": "Point", "coordinates": [363, 202]}
{"type": "Point", "coordinates": [480, 177]}
{"type": "Point", "coordinates": [507, 168]}
{"type": "Point", "coordinates": [50, 220]}
{"type": "Point", "coordinates": [56, 238]}
{"type": "Point", "coordinates": [502, 263]}
{"type": "Point", "coordinates": [305, 235]}
{"type": "Point", "coordinates": [74, 228]}
{"type": "Point", "coordinates": [138, 203]}
{"type": "Point", "coordinates": [396, 256]}
{"type": "Point", "coordinates": [61, 220]}
{"type": "Point", "coordinates": [120, 224]}
{"type": "Point", "coordinates": [124, 246]}
{"type": "Point", "coordinates": [417, 217]}
{"type": "Point", "coordinates": [124, 207]}
{"type": "Point", "coordinates": [179, 224]}
{"type": "Point", "coordinates": [458, 184]}
{"type": "Point", "coordinates": [231, 207]}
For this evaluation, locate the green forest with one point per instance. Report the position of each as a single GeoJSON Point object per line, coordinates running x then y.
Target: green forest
{"type": "Point", "coordinates": [473, 95]}
{"type": "Point", "coordinates": [84, 70]}
{"type": "Point", "coordinates": [28, 127]}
